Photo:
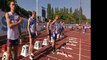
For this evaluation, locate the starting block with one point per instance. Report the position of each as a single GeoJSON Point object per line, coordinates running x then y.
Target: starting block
{"type": "Point", "coordinates": [37, 45]}
{"type": "Point", "coordinates": [4, 56]}
{"type": "Point", "coordinates": [45, 42]}
{"type": "Point", "coordinates": [25, 50]}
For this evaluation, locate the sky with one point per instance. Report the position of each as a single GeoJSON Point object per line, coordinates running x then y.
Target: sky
{"type": "Point", "coordinates": [31, 5]}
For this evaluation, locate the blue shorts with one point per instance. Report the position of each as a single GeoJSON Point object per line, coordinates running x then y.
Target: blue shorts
{"type": "Point", "coordinates": [62, 29]}
{"type": "Point", "coordinates": [33, 35]}
{"type": "Point", "coordinates": [54, 36]}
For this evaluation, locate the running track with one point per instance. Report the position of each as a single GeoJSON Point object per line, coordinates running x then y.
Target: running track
{"type": "Point", "coordinates": [81, 50]}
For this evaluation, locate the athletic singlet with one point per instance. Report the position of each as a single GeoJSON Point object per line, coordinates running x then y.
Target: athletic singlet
{"type": "Point", "coordinates": [32, 25]}
{"type": "Point", "coordinates": [13, 33]}
{"type": "Point", "coordinates": [62, 27]}
{"type": "Point", "coordinates": [57, 27]}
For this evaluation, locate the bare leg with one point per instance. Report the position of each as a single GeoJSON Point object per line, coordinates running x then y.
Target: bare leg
{"type": "Point", "coordinates": [8, 52]}
{"type": "Point", "coordinates": [30, 46]}
{"type": "Point", "coordinates": [15, 51]}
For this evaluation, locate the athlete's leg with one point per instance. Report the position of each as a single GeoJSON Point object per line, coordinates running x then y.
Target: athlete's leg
{"type": "Point", "coordinates": [54, 35]}
{"type": "Point", "coordinates": [31, 43]}
{"type": "Point", "coordinates": [30, 46]}
{"type": "Point", "coordinates": [15, 49]}
{"type": "Point", "coordinates": [8, 49]}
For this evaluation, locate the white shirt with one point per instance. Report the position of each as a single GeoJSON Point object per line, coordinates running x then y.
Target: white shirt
{"type": "Point", "coordinates": [13, 33]}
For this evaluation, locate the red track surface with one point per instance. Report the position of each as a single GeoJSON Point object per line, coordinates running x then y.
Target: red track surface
{"type": "Point", "coordinates": [85, 48]}
{"type": "Point", "coordinates": [44, 53]}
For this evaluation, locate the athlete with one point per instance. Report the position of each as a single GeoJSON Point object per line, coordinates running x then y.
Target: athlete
{"type": "Point", "coordinates": [32, 33]}
{"type": "Point", "coordinates": [48, 29]}
{"type": "Point", "coordinates": [62, 29]}
{"type": "Point", "coordinates": [55, 28]}
{"type": "Point", "coordinates": [13, 22]}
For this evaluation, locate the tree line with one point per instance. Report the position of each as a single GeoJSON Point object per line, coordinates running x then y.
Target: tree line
{"type": "Point", "coordinates": [66, 14]}
{"type": "Point", "coordinates": [4, 6]}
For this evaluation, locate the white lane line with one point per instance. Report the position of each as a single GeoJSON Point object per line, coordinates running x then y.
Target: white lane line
{"type": "Point", "coordinates": [80, 50]}
{"type": "Point", "coordinates": [72, 44]}
{"type": "Point", "coordinates": [78, 54]}
{"type": "Point", "coordinates": [52, 57]}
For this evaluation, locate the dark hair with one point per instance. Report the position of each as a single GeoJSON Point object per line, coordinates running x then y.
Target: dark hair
{"type": "Point", "coordinates": [33, 12]}
{"type": "Point", "coordinates": [11, 1]}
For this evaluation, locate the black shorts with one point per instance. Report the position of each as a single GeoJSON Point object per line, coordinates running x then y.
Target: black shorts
{"type": "Point", "coordinates": [49, 32]}
{"type": "Point", "coordinates": [12, 42]}
{"type": "Point", "coordinates": [33, 35]}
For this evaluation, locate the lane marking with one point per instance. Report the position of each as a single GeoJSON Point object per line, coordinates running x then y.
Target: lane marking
{"type": "Point", "coordinates": [78, 54]}
{"type": "Point", "coordinates": [86, 43]}
{"type": "Point", "coordinates": [80, 50]}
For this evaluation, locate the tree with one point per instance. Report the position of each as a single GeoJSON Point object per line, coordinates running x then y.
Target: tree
{"type": "Point", "coordinates": [76, 16]}
{"type": "Point", "coordinates": [52, 12]}
{"type": "Point", "coordinates": [71, 10]}
{"type": "Point", "coordinates": [29, 12]}
{"type": "Point", "coordinates": [84, 18]}
{"type": "Point", "coordinates": [81, 11]}
{"type": "Point", "coordinates": [67, 15]}
{"type": "Point", "coordinates": [49, 11]}
{"type": "Point", "coordinates": [64, 9]}
{"type": "Point", "coordinates": [80, 15]}
{"type": "Point", "coordinates": [67, 10]}
{"type": "Point", "coordinates": [57, 11]}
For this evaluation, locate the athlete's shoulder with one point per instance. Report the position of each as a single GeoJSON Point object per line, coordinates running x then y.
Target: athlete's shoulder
{"type": "Point", "coordinates": [47, 22]}
{"type": "Point", "coordinates": [29, 19]}
{"type": "Point", "coordinates": [7, 14]}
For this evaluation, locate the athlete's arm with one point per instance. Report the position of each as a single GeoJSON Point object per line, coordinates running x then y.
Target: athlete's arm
{"type": "Point", "coordinates": [52, 24]}
{"type": "Point", "coordinates": [28, 27]}
{"type": "Point", "coordinates": [47, 28]}
{"type": "Point", "coordinates": [9, 23]}
{"type": "Point", "coordinates": [36, 26]}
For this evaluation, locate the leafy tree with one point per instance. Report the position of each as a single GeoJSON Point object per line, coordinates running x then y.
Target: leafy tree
{"type": "Point", "coordinates": [49, 11]}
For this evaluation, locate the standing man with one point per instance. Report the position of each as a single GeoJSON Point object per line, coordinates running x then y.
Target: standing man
{"type": "Point", "coordinates": [49, 30]}
{"type": "Point", "coordinates": [32, 33]}
{"type": "Point", "coordinates": [62, 29]}
{"type": "Point", "coordinates": [13, 22]}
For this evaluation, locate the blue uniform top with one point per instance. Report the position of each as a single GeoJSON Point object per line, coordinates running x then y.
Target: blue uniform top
{"type": "Point", "coordinates": [57, 27]}
{"type": "Point", "coordinates": [32, 25]}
